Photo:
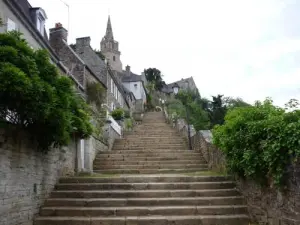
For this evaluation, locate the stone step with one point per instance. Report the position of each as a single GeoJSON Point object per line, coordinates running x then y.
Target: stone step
{"type": "Point", "coordinates": [148, 171]}
{"type": "Point", "coordinates": [145, 151]}
{"type": "Point", "coordinates": [117, 157]}
{"type": "Point", "coordinates": [141, 179]}
{"type": "Point", "coordinates": [144, 211]}
{"type": "Point", "coordinates": [143, 193]}
{"type": "Point", "coordinates": [161, 166]}
{"type": "Point", "coordinates": [154, 163]}
{"type": "Point", "coordinates": [240, 219]}
{"type": "Point", "coordinates": [149, 154]}
{"type": "Point", "coordinates": [147, 142]}
{"type": "Point", "coordinates": [148, 138]}
{"type": "Point", "coordinates": [146, 186]}
{"type": "Point", "coordinates": [117, 202]}
{"type": "Point", "coordinates": [150, 147]}
{"type": "Point", "coordinates": [154, 145]}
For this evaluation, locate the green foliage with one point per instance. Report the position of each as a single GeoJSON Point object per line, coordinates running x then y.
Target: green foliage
{"type": "Point", "coordinates": [259, 141]}
{"type": "Point", "coordinates": [95, 93]}
{"type": "Point", "coordinates": [118, 114]}
{"type": "Point", "coordinates": [231, 103]}
{"type": "Point", "coordinates": [149, 103]}
{"type": "Point", "coordinates": [128, 124]}
{"type": "Point", "coordinates": [190, 103]}
{"type": "Point", "coordinates": [36, 98]}
{"type": "Point", "coordinates": [127, 114]}
{"type": "Point", "coordinates": [154, 76]}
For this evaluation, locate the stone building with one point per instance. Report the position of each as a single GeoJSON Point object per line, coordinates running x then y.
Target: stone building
{"type": "Point", "coordinates": [27, 176]}
{"type": "Point", "coordinates": [184, 84]}
{"type": "Point", "coordinates": [131, 82]}
{"type": "Point", "coordinates": [117, 97]}
{"type": "Point", "coordinates": [30, 21]}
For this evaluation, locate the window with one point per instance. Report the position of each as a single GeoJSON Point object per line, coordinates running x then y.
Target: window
{"type": "Point", "coordinates": [114, 58]}
{"type": "Point", "coordinates": [111, 85]}
{"type": "Point", "coordinates": [135, 85]}
{"type": "Point", "coordinates": [40, 25]}
{"type": "Point", "coordinates": [11, 25]}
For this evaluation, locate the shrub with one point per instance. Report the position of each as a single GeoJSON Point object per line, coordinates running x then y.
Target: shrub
{"type": "Point", "coordinates": [128, 124]}
{"type": "Point", "coordinates": [260, 141]}
{"type": "Point", "coordinates": [127, 114]}
{"type": "Point", "coordinates": [34, 96]}
{"type": "Point", "coordinates": [118, 114]}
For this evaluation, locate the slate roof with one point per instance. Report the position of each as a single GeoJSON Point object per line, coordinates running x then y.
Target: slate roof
{"type": "Point", "coordinates": [30, 14]}
{"type": "Point", "coordinates": [129, 77]}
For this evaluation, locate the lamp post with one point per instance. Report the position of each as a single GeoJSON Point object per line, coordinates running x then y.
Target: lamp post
{"type": "Point", "coordinates": [176, 90]}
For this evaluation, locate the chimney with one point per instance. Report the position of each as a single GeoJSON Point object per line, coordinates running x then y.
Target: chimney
{"type": "Point", "coordinates": [84, 41]}
{"type": "Point", "coordinates": [128, 70]}
{"type": "Point", "coordinates": [58, 33]}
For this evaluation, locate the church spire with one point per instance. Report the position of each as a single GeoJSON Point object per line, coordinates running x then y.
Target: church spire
{"type": "Point", "coordinates": [109, 32]}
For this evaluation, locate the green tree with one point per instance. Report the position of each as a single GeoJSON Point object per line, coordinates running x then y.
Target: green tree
{"type": "Point", "coordinates": [34, 97]}
{"type": "Point", "coordinates": [190, 101]}
{"type": "Point", "coordinates": [231, 103]}
{"type": "Point", "coordinates": [154, 75]}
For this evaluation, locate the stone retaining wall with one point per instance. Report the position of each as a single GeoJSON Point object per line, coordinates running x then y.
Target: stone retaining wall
{"type": "Point", "coordinates": [27, 176]}
{"type": "Point", "coordinates": [267, 206]}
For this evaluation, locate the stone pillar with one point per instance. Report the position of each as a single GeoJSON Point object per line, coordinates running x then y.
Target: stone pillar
{"type": "Point", "coordinates": [88, 155]}
{"type": "Point", "coordinates": [79, 156]}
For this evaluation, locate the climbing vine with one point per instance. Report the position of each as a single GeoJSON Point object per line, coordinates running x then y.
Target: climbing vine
{"type": "Point", "coordinates": [36, 98]}
{"type": "Point", "coordinates": [260, 141]}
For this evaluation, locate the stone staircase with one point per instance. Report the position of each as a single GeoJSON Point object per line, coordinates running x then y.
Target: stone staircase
{"type": "Point", "coordinates": [149, 178]}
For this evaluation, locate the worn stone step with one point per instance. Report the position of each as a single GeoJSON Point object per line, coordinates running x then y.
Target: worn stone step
{"type": "Point", "coordinates": [148, 138]}
{"type": "Point", "coordinates": [148, 171]}
{"type": "Point", "coordinates": [143, 211]}
{"type": "Point", "coordinates": [161, 166]}
{"type": "Point", "coordinates": [146, 151]}
{"type": "Point", "coordinates": [146, 186]}
{"type": "Point", "coordinates": [240, 219]}
{"type": "Point", "coordinates": [154, 163]}
{"type": "Point", "coordinates": [150, 146]}
{"type": "Point", "coordinates": [143, 193]}
{"type": "Point", "coordinates": [141, 179]}
{"type": "Point", "coordinates": [116, 157]}
{"type": "Point", "coordinates": [154, 154]}
{"type": "Point", "coordinates": [117, 202]}
{"type": "Point", "coordinates": [148, 142]}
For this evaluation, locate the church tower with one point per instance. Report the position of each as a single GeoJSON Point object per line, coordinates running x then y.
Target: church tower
{"type": "Point", "coordinates": [110, 48]}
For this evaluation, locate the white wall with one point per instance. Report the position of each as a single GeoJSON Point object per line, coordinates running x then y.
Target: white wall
{"type": "Point", "coordinates": [138, 90]}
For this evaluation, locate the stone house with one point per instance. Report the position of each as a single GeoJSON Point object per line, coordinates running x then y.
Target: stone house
{"type": "Point", "coordinates": [136, 85]}
{"type": "Point", "coordinates": [132, 83]}
{"type": "Point", "coordinates": [27, 176]}
{"type": "Point", "coordinates": [19, 15]}
{"type": "Point", "coordinates": [117, 97]}
{"type": "Point", "coordinates": [184, 84]}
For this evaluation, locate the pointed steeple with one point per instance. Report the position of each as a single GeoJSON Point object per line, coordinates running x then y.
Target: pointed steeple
{"type": "Point", "coordinates": [109, 32]}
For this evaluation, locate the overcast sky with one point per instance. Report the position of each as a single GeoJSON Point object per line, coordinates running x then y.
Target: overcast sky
{"type": "Point", "coordinates": [239, 48]}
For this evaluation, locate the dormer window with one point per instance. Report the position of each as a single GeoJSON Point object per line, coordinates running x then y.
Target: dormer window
{"type": "Point", "coordinates": [40, 20]}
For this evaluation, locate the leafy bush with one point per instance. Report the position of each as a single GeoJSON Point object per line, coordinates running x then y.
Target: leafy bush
{"type": "Point", "coordinates": [260, 141]}
{"type": "Point", "coordinates": [128, 124]}
{"type": "Point", "coordinates": [127, 114]}
{"type": "Point", "coordinates": [118, 114]}
{"type": "Point", "coordinates": [34, 96]}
